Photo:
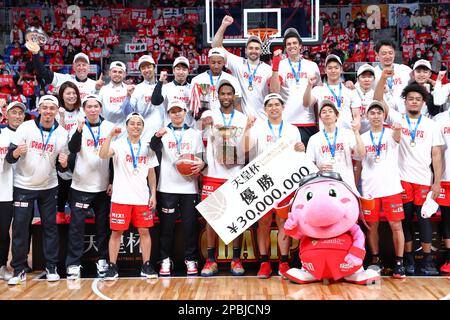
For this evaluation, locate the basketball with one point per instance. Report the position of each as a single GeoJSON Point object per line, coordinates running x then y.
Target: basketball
{"type": "Point", "coordinates": [185, 163]}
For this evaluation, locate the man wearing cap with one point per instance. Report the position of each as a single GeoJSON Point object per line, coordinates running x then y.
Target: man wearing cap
{"type": "Point", "coordinates": [211, 77]}
{"type": "Point", "coordinates": [134, 190]}
{"type": "Point", "coordinates": [290, 78]}
{"type": "Point", "coordinates": [422, 75]}
{"type": "Point", "coordinates": [228, 123]}
{"type": "Point", "coordinates": [15, 114]}
{"type": "Point", "coordinates": [39, 150]}
{"type": "Point", "coordinates": [140, 98]}
{"type": "Point", "coordinates": [385, 53]}
{"type": "Point", "coordinates": [257, 139]}
{"type": "Point", "coordinates": [90, 186]}
{"type": "Point", "coordinates": [365, 77]}
{"type": "Point", "coordinates": [177, 193]}
{"type": "Point", "coordinates": [420, 148]}
{"type": "Point", "coordinates": [346, 100]}
{"type": "Point", "coordinates": [253, 74]}
{"type": "Point", "coordinates": [113, 96]}
{"type": "Point", "coordinates": [380, 179]}
{"type": "Point", "coordinates": [332, 148]}
{"type": "Point", "coordinates": [178, 89]}
{"type": "Point", "coordinates": [81, 67]}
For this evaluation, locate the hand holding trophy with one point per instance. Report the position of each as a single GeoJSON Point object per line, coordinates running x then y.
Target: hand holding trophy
{"type": "Point", "coordinates": [35, 38]}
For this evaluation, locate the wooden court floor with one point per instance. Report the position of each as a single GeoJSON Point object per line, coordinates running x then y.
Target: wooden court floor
{"type": "Point", "coordinates": [224, 288]}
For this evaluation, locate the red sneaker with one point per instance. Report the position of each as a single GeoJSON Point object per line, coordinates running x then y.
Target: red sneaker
{"type": "Point", "coordinates": [445, 268]}
{"type": "Point", "coordinates": [283, 267]}
{"type": "Point", "coordinates": [265, 270]}
{"type": "Point", "coordinates": [61, 218]}
{"type": "Point", "coordinates": [236, 268]}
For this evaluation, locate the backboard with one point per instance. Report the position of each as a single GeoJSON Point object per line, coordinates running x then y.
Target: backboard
{"type": "Point", "coordinates": [251, 14]}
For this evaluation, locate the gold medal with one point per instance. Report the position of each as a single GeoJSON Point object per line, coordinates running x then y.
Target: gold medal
{"type": "Point", "coordinates": [377, 159]}
{"type": "Point", "coordinates": [412, 144]}
{"type": "Point", "coordinates": [333, 160]}
{"type": "Point", "coordinates": [136, 171]}
{"type": "Point", "coordinates": [250, 88]}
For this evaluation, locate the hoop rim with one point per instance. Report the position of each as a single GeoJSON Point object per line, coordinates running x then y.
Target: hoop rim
{"type": "Point", "coordinates": [263, 33]}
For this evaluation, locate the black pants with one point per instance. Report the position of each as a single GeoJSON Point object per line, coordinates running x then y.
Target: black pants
{"type": "Point", "coordinates": [79, 206]}
{"type": "Point", "coordinates": [63, 193]}
{"type": "Point", "coordinates": [425, 228]}
{"type": "Point", "coordinates": [6, 214]}
{"type": "Point", "coordinates": [23, 214]}
{"type": "Point", "coordinates": [168, 206]}
{"type": "Point", "coordinates": [307, 133]}
{"type": "Point", "coordinates": [445, 222]}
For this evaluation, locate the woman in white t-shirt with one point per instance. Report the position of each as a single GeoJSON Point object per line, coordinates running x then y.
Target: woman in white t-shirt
{"type": "Point", "coordinates": [332, 148]}
{"type": "Point", "coordinates": [132, 201]}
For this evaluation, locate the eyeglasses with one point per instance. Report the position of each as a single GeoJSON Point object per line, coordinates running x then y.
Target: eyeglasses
{"type": "Point", "coordinates": [320, 174]}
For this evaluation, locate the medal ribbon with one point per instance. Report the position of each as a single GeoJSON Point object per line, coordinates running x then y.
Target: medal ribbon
{"type": "Point", "coordinates": [332, 147]}
{"type": "Point", "coordinates": [177, 141]}
{"type": "Point", "coordinates": [96, 140]}
{"type": "Point", "coordinates": [279, 131]}
{"type": "Point", "coordinates": [44, 147]}
{"type": "Point", "coordinates": [377, 147]}
{"type": "Point", "coordinates": [296, 74]}
{"type": "Point", "coordinates": [338, 98]}
{"type": "Point", "coordinates": [413, 132]}
{"type": "Point", "coordinates": [229, 122]}
{"type": "Point", "coordinates": [135, 159]}
{"type": "Point", "coordinates": [250, 74]}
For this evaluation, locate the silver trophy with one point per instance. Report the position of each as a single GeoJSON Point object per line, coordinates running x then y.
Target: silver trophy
{"type": "Point", "coordinates": [226, 145]}
{"type": "Point", "coordinates": [205, 89]}
{"type": "Point", "coordinates": [35, 38]}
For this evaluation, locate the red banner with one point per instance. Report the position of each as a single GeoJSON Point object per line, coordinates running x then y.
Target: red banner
{"type": "Point", "coordinates": [6, 80]}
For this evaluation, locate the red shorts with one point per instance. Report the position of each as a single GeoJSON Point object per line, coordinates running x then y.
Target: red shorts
{"type": "Point", "coordinates": [210, 185]}
{"type": "Point", "coordinates": [444, 197]}
{"type": "Point", "coordinates": [392, 209]}
{"type": "Point", "coordinates": [122, 214]}
{"type": "Point", "coordinates": [414, 192]}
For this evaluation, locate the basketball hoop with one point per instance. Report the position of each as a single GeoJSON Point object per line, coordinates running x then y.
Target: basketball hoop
{"type": "Point", "coordinates": [265, 34]}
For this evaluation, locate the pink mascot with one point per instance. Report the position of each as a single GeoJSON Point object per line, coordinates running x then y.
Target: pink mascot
{"type": "Point", "coordinates": [323, 215]}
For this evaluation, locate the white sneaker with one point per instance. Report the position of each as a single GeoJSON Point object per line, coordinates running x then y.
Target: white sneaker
{"type": "Point", "coordinates": [73, 272]}
{"type": "Point", "coordinates": [5, 274]}
{"type": "Point", "coordinates": [191, 266]}
{"type": "Point", "coordinates": [166, 267]}
{"type": "Point", "coordinates": [52, 274]}
{"type": "Point", "coordinates": [102, 267]}
{"type": "Point", "coordinates": [17, 278]}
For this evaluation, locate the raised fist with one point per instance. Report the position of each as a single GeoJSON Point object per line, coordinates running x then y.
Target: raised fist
{"type": "Point", "coordinates": [163, 76]}
{"type": "Point", "coordinates": [227, 21]}
{"type": "Point", "coordinates": [115, 132]}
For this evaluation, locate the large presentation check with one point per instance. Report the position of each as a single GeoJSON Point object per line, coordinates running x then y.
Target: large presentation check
{"type": "Point", "coordinates": [248, 196]}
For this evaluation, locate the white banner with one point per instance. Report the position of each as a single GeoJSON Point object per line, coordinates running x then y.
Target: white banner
{"type": "Point", "coordinates": [243, 200]}
{"type": "Point", "coordinates": [135, 47]}
{"type": "Point", "coordinates": [396, 9]}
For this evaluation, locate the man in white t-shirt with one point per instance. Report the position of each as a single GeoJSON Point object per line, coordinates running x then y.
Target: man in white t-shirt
{"type": "Point", "coordinates": [90, 187]}
{"type": "Point", "coordinates": [178, 89]}
{"type": "Point", "coordinates": [420, 147]}
{"type": "Point", "coordinates": [253, 74]}
{"type": "Point", "coordinates": [15, 114]}
{"type": "Point", "coordinates": [290, 78]}
{"type": "Point", "coordinates": [224, 160]}
{"type": "Point", "coordinates": [333, 148]}
{"type": "Point", "coordinates": [211, 78]}
{"type": "Point", "coordinates": [139, 98]}
{"type": "Point", "coordinates": [259, 137]}
{"type": "Point", "coordinates": [113, 96]}
{"type": "Point", "coordinates": [385, 53]}
{"type": "Point", "coordinates": [132, 201]}
{"type": "Point", "coordinates": [441, 91]}
{"type": "Point", "coordinates": [380, 179]}
{"type": "Point", "coordinates": [177, 193]}
{"type": "Point", "coordinates": [346, 100]}
{"type": "Point", "coordinates": [39, 150]}
{"type": "Point", "coordinates": [365, 89]}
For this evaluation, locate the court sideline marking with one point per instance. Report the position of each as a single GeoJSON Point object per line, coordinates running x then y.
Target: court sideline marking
{"type": "Point", "coordinates": [94, 288]}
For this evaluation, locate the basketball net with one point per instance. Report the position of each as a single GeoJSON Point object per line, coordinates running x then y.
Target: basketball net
{"type": "Point", "coordinates": [265, 34]}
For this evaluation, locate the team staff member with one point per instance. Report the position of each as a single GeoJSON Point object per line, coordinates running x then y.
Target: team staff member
{"type": "Point", "coordinates": [178, 89]}
{"type": "Point", "coordinates": [132, 201]}
{"type": "Point", "coordinates": [139, 98]}
{"type": "Point", "coordinates": [332, 148]}
{"type": "Point", "coordinates": [253, 74]}
{"type": "Point", "coordinates": [216, 61]}
{"type": "Point", "coordinates": [39, 149]}
{"type": "Point", "coordinates": [364, 88]}
{"type": "Point", "coordinates": [380, 179]}
{"type": "Point", "coordinates": [15, 114]}
{"type": "Point", "coordinates": [90, 187]}
{"type": "Point", "coordinates": [258, 138]}
{"type": "Point", "coordinates": [113, 96]}
{"type": "Point", "coordinates": [346, 100]}
{"type": "Point", "coordinates": [177, 193]}
{"type": "Point", "coordinates": [420, 147]}
{"type": "Point", "coordinates": [218, 172]}
{"type": "Point", "coordinates": [290, 78]}
{"type": "Point", "coordinates": [443, 121]}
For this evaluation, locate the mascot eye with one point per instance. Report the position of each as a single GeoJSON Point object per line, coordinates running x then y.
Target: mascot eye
{"type": "Point", "coordinates": [309, 195]}
{"type": "Point", "coordinates": [332, 193]}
